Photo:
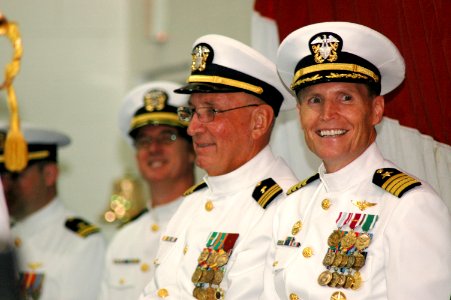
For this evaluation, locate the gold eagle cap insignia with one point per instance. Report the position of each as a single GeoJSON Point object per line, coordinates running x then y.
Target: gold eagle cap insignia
{"type": "Point", "coordinates": [363, 204]}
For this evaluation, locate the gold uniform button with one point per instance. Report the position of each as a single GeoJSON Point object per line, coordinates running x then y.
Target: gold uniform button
{"type": "Point", "coordinates": [338, 296]}
{"type": "Point", "coordinates": [325, 204]}
{"type": "Point", "coordinates": [144, 267]}
{"type": "Point", "coordinates": [293, 296]}
{"type": "Point", "coordinates": [17, 242]}
{"type": "Point", "coordinates": [209, 206]}
{"type": "Point", "coordinates": [121, 281]}
{"type": "Point", "coordinates": [185, 249]}
{"type": "Point", "coordinates": [275, 263]}
{"type": "Point", "coordinates": [155, 227]}
{"type": "Point", "coordinates": [307, 252]}
{"type": "Point", "coordinates": [163, 293]}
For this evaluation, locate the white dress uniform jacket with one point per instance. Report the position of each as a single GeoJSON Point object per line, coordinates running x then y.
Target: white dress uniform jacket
{"type": "Point", "coordinates": [132, 251]}
{"type": "Point", "coordinates": [67, 265]}
{"type": "Point", "coordinates": [225, 205]}
{"type": "Point", "coordinates": [409, 256]}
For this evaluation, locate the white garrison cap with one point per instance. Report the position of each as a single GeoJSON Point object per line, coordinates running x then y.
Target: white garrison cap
{"type": "Point", "coordinates": [339, 52]}
{"type": "Point", "coordinates": [223, 65]}
{"type": "Point", "coordinates": [42, 142]}
{"type": "Point", "coordinates": [153, 103]}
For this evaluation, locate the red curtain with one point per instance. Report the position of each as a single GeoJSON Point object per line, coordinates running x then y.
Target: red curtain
{"type": "Point", "coordinates": [419, 28]}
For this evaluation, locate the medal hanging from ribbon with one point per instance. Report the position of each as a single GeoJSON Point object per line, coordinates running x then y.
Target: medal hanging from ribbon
{"type": "Point", "coordinates": [212, 264]}
{"type": "Point", "coordinates": [346, 255]}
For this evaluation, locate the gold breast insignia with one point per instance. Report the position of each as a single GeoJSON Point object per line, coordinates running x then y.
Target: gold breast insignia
{"type": "Point", "coordinates": [363, 204]}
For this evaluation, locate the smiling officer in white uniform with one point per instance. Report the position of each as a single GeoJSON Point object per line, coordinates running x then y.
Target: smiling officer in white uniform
{"type": "Point", "coordinates": [360, 228]}
{"type": "Point", "coordinates": [214, 246]}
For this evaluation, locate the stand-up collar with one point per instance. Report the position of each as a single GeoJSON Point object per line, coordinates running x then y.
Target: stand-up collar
{"type": "Point", "coordinates": [353, 174]}
{"type": "Point", "coordinates": [243, 177]}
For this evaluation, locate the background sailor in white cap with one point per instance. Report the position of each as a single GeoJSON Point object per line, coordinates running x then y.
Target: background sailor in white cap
{"type": "Point", "coordinates": [165, 158]}
{"type": "Point", "coordinates": [360, 228]}
{"type": "Point", "coordinates": [60, 254]}
{"type": "Point", "coordinates": [215, 244]}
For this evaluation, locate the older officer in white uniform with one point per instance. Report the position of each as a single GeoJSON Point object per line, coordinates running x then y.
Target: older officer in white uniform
{"type": "Point", "coordinates": [214, 246]}
{"type": "Point", "coordinates": [60, 255]}
{"type": "Point", "coordinates": [360, 228]}
{"type": "Point", "coordinates": [165, 157]}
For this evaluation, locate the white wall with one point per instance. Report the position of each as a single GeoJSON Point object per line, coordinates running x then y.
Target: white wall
{"type": "Point", "coordinates": [81, 57]}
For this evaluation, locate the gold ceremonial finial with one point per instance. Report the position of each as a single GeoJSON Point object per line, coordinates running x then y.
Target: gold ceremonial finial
{"type": "Point", "coordinates": [126, 201]}
{"type": "Point", "coordinates": [16, 151]}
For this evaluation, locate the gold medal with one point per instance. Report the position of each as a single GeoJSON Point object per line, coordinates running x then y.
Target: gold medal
{"type": "Point", "coordinates": [341, 280]}
{"type": "Point", "coordinates": [207, 276]}
{"type": "Point", "coordinates": [363, 241]}
{"type": "Point", "coordinates": [344, 260]}
{"type": "Point", "coordinates": [359, 260]}
{"type": "Point", "coordinates": [324, 278]}
{"type": "Point", "coordinates": [212, 258]}
{"type": "Point", "coordinates": [351, 261]}
{"type": "Point", "coordinates": [210, 293]}
{"type": "Point", "coordinates": [296, 227]}
{"type": "Point", "coordinates": [219, 275]}
{"type": "Point", "coordinates": [222, 259]}
{"type": "Point", "coordinates": [337, 260]}
{"type": "Point", "coordinates": [334, 281]}
{"type": "Point", "coordinates": [334, 239]}
{"type": "Point", "coordinates": [349, 281]}
{"type": "Point", "coordinates": [348, 240]}
{"type": "Point", "coordinates": [203, 255]}
{"type": "Point", "coordinates": [196, 292]}
{"type": "Point", "coordinates": [329, 258]}
{"type": "Point", "coordinates": [357, 281]}
{"type": "Point", "coordinates": [196, 275]}
{"type": "Point", "coordinates": [338, 296]}
{"type": "Point", "coordinates": [202, 294]}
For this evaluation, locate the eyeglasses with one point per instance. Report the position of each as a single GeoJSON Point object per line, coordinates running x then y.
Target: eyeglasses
{"type": "Point", "coordinates": [204, 114]}
{"type": "Point", "coordinates": [162, 139]}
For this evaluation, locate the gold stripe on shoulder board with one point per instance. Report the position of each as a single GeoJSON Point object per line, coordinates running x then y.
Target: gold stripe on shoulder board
{"type": "Point", "coordinates": [266, 191]}
{"type": "Point", "coordinates": [194, 188]}
{"type": "Point", "coordinates": [394, 181]}
{"type": "Point", "coordinates": [303, 183]}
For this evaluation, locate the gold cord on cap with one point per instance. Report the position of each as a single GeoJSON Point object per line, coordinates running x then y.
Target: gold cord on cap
{"type": "Point", "coordinates": [16, 151]}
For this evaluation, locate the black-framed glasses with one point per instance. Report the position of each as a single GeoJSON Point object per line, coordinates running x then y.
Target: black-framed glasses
{"type": "Point", "coordinates": [161, 139]}
{"type": "Point", "coordinates": [204, 114]}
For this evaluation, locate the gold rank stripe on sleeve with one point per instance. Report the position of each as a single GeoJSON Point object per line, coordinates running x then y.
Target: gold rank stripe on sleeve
{"type": "Point", "coordinates": [394, 181]}
{"type": "Point", "coordinates": [266, 191]}
{"type": "Point", "coordinates": [303, 183]}
{"type": "Point", "coordinates": [81, 227]}
{"type": "Point", "coordinates": [194, 188]}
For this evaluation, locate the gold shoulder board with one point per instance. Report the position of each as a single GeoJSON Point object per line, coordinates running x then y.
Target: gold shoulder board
{"type": "Point", "coordinates": [81, 227]}
{"type": "Point", "coordinates": [266, 191]}
{"type": "Point", "coordinates": [195, 188]}
{"type": "Point", "coordinates": [394, 181]}
{"type": "Point", "coordinates": [303, 183]}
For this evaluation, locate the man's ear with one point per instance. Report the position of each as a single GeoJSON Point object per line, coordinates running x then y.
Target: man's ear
{"type": "Point", "coordinates": [51, 172]}
{"type": "Point", "coordinates": [378, 109]}
{"type": "Point", "coordinates": [262, 119]}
